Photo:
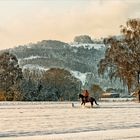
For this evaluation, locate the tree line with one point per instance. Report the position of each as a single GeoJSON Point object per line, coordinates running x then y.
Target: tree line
{"type": "Point", "coordinates": [28, 85]}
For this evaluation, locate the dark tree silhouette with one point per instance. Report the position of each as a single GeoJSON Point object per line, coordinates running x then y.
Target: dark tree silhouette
{"type": "Point", "coordinates": [62, 84]}
{"type": "Point", "coordinates": [10, 76]}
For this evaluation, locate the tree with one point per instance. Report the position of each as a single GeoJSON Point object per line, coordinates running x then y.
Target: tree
{"type": "Point", "coordinates": [59, 83]}
{"type": "Point", "coordinates": [83, 39]}
{"type": "Point", "coordinates": [10, 76]}
{"type": "Point", "coordinates": [53, 85]}
{"type": "Point", "coordinates": [97, 91]}
{"type": "Point", "coordinates": [122, 57]}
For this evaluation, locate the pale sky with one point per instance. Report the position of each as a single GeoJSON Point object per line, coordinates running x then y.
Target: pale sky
{"type": "Point", "coordinates": [25, 21]}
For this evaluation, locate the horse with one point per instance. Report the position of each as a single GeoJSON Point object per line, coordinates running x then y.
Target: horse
{"type": "Point", "coordinates": [90, 99]}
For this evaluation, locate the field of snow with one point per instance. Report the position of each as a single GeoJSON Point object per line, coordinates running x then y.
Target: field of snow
{"type": "Point", "coordinates": [61, 121]}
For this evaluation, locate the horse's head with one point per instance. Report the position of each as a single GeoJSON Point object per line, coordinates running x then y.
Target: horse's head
{"type": "Point", "coordinates": [80, 96]}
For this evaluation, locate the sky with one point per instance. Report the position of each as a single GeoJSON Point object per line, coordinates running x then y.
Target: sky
{"type": "Point", "coordinates": [26, 21]}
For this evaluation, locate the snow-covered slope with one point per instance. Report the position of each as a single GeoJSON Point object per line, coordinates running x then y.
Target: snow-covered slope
{"type": "Point", "coordinates": [88, 46]}
{"type": "Point", "coordinates": [79, 58]}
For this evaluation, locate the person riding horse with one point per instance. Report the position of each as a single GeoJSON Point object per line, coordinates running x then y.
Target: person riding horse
{"type": "Point", "coordinates": [90, 99]}
{"type": "Point", "coordinates": [86, 95]}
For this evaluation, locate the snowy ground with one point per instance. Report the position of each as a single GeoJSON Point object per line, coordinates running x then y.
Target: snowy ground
{"type": "Point", "coordinates": [60, 121]}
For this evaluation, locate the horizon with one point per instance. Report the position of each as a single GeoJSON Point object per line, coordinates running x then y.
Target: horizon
{"type": "Point", "coordinates": [24, 22]}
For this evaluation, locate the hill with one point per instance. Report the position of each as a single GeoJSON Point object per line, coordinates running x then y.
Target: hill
{"type": "Point", "coordinates": [81, 59]}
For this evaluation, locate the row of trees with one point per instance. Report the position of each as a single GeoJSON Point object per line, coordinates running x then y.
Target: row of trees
{"type": "Point", "coordinates": [38, 85]}
{"type": "Point", "coordinates": [55, 84]}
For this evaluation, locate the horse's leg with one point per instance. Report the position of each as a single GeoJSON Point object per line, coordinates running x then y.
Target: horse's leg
{"type": "Point", "coordinates": [84, 103]}
{"type": "Point", "coordinates": [95, 102]}
{"type": "Point", "coordinates": [91, 104]}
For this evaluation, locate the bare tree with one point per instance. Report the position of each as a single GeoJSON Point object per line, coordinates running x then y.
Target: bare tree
{"type": "Point", "coordinates": [122, 57]}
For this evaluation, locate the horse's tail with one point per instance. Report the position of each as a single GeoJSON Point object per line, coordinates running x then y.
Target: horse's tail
{"type": "Point", "coordinates": [96, 102]}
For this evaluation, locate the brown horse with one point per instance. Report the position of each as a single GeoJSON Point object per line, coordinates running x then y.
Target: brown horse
{"type": "Point", "coordinates": [85, 100]}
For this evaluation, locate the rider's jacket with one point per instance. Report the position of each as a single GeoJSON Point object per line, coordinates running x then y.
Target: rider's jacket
{"type": "Point", "coordinates": [86, 93]}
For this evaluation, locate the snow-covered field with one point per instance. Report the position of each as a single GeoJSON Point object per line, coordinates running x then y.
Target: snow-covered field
{"type": "Point", "coordinates": [61, 121]}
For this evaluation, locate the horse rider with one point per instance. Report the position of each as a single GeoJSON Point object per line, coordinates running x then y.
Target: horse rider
{"type": "Point", "coordinates": [86, 94]}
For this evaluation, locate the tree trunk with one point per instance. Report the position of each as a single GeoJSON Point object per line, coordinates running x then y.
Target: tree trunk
{"type": "Point", "coordinates": [138, 94]}
{"type": "Point", "coordinates": [139, 98]}
{"type": "Point", "coordinates": [138, 77]}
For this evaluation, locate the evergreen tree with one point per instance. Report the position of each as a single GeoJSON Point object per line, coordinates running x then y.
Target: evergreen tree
{"type": "Point", "coordinates": [10, 76]}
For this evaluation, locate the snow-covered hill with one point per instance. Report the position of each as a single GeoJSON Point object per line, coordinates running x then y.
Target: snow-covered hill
{"type": "Point", "coordinates": [81, 59]}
